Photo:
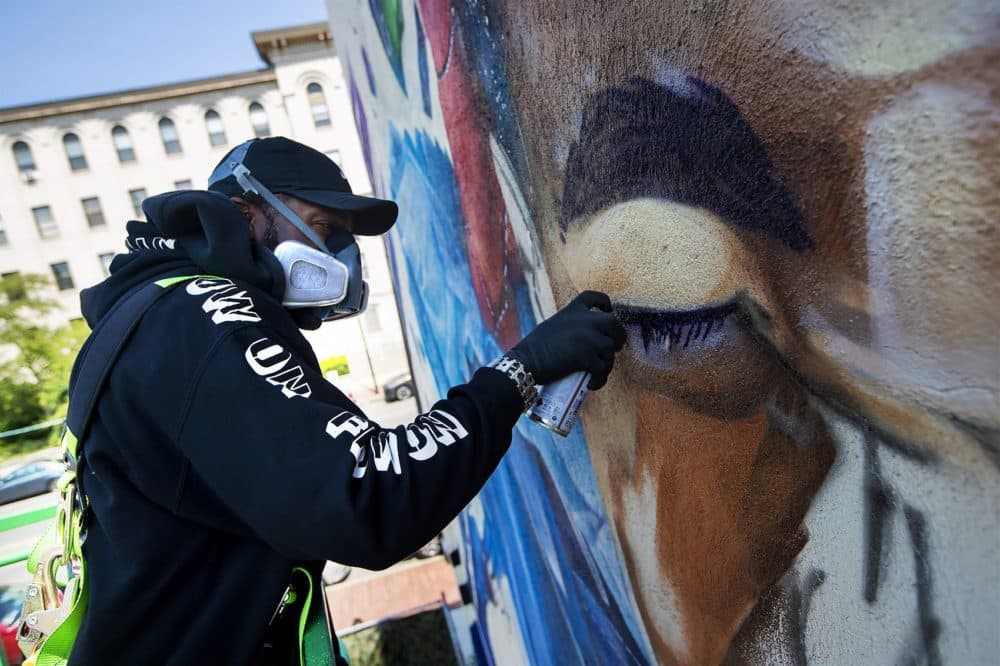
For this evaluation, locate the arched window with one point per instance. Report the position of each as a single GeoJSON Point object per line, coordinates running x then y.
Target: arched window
{"type": "Point", "coordinates": [168, 134]}
{"type": "Point", "coordinates": [216, 130]}
{"type": "Point", "coordinates": [25, 161]}
{"type": "Point", "coordinates": [74, 152]}
{"type": "Point", "coordinates": [317, 105]}
{"type": "Point", "coordinates": [123, 144]}
{"type": "Point", "coordinates": [258, 118]}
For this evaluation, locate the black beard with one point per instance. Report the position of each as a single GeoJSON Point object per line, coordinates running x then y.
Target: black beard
{"type": "Point", "coordinates": [270, 239]}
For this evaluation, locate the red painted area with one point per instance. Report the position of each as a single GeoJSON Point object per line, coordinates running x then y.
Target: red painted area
{"type": "Point", "coordinates": [486, 227]}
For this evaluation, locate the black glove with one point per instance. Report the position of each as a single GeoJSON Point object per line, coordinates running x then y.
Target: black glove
{"type": "Point", "coordinates": [575, 338]}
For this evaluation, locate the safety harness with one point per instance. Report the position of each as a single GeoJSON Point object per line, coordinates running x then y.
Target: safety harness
{"type": "Point", "coordinates": [56, 600]}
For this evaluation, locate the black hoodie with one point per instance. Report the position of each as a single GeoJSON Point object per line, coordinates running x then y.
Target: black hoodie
{"type": "Point", "coordinates": [219, 457]}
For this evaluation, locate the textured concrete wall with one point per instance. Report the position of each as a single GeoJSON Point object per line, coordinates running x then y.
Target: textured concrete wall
{"type": "Point", "coordinates": [794, 208]}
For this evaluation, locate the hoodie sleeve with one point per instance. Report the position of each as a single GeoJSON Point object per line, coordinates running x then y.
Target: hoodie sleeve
{"type": "Point", "coordinates": [313, 477]}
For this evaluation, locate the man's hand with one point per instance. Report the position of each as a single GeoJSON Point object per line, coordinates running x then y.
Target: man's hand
{"type": "Point", "coordinates": [575, 338]}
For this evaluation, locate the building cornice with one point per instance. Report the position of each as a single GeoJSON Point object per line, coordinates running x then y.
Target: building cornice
{"type": "Point", "coordinates": [135, 96]}
{"type": "Point", "coordinates": [269, 42]}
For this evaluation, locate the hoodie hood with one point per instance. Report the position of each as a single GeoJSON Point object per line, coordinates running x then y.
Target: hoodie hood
{"type": "Point", "coordinates": [187, 232]}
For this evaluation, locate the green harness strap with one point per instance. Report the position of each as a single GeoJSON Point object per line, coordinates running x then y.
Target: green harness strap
{"type": "Point", "coordinates": [66, 532]}
{"type": "Point", "coordinates": [315, 648]}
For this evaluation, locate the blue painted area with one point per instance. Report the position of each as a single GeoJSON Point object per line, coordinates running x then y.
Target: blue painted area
{"type": "Point", "coordinates": [545, 533]}
{"type": "Point", "coordinates": [422, 64]}
{"type": "Point", "coordinates": [368, 73]}
{"type": "Point", "coordinates": [485, 47]}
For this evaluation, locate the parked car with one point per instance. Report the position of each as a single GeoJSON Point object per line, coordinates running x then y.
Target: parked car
{"type": "Point", "coordinates": [11, 601]}
{"type": "Point", "coordinates": [29, 480]}
{"type": "Point", "coordinates": [399, 387]}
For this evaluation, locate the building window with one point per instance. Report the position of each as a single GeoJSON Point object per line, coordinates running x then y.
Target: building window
{"type": "Point", "coordinates": [92, 209]}
{"type": "Point", "coordinates": [61, 272]}
{"type": "Point", "coordinates": [334, 155]}
{"type": "Point", "coordinates": [74, 152]}
{"type": "Point", "coordinates": [3, 234]}
{"type": "Point", "coordinates": [25, 162]}
{"type": "Point", "coordinates": [216, 130]}
{"type": "Point", "coordinates": [123, 144]}
{"type": "Point", "coordinates": [168, 132]}
{"type": "Point", "coordinates": [137, 196]}
{"type": "Point", "coordinates": [45, 222]}
{"type": "Point", "coordinates": [258, 118]}
{"type": "Point", "coordinates": [317, 105]}
{"type": "Point", "coordinates": [106, 259]}
{"type": "Point", "coordinates": [183, 184]}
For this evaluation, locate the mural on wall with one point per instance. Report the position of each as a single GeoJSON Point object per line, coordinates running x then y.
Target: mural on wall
{"type": "Point", "coordinates": [793, 207]}
{"type": "Point", "coordinates": [545, 576]}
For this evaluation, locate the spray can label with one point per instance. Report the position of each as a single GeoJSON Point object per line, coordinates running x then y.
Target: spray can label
{"type": "Point", "coordinates": [558, 404]}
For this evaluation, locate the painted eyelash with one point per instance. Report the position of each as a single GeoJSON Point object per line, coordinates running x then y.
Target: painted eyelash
{"type": "Point", "coordinates": [663, 328]}
{"type": "Point", "coordinates": [673, 334]}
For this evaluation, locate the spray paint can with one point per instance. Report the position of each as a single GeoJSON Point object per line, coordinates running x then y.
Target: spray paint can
{"type": "Point", "coordinates": [558, 404]}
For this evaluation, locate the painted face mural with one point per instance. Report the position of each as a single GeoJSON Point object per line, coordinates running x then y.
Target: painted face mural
{"type": "Point", "coordinates": [793, 207]}
{"type": "Point", "coordinates": [539, 555]}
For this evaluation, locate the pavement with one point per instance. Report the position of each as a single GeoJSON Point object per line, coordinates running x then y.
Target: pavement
{"type": "Point", "coordinates": [411, 586]}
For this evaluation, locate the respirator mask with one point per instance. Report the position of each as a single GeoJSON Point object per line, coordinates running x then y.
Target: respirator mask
{"type": "Point", "coordinates": [328, 281]}
{"type": "Point", "coordinates": [325, 278]}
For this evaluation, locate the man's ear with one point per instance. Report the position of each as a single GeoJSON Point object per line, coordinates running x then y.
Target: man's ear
{"type": "Point", "coordinates": [244, 207]}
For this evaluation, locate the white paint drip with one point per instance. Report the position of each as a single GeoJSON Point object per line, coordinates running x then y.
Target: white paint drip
{"type": "Point", "coordinates": [659, 599]}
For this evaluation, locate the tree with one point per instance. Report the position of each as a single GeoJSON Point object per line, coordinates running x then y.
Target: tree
{"type": "Point", "coordinates": [35, 355]}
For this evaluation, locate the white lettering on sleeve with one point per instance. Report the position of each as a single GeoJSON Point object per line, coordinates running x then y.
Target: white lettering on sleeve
{"type": "Point", "coordinates": [226, 301]}
{"type": "Point", "coordinates": [263, 350]}
{"type": "Point", "coordinates": [355, 426]}
{"type": "Point", "coordinates": [268, 359]}
{"type": "Point", "coordinates": [422, 447]}
{"type": "Point", "coordinates": [424, 437]}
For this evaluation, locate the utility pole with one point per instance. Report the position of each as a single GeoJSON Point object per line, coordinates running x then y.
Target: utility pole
{"type": "Point", "coordinates": [368, 356]}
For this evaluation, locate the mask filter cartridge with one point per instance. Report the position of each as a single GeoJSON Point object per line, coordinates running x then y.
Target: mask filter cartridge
{"type": "Point", "coordinates": [312, 278]}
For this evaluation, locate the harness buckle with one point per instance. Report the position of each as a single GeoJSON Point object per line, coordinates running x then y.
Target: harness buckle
{"type": "Point", "coordinates": [44, 609]}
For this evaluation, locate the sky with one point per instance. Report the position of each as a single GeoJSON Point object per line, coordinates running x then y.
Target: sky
{"type": "Point", "coordinates": [55, 49]}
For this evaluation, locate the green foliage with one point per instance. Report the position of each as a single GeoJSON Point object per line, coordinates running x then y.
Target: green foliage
{"type": "Point", "coordinates": [415, 640]}
{"type": "Point", "coordinates": [35, 355]}
{"type": "Point", "coordinates": [16, 447]}
{"type": "Point", "coordinates": [19, 404]}
{"type": "Point", "coordinates": [337, 364]}
{"type": "Point", "coordinates": [63, 347]}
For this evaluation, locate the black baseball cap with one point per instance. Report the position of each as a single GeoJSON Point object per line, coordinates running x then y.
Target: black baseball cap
{"type": "Point", "coordinates": [289, 167]}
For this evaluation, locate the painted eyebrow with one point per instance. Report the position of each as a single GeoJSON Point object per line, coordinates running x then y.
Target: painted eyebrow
{"type": "Point", "coordinates": [687, 143]}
